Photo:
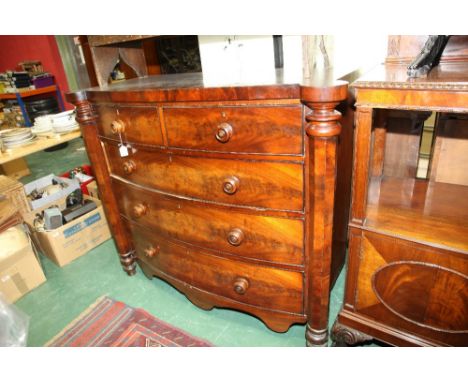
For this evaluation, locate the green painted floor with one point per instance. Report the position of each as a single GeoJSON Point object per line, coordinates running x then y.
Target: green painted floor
{"type": "Point", "coordinates": [70, 290]}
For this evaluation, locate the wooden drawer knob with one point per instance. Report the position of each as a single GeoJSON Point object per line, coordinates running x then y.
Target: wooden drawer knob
{"type": "Point", "coordinates": [139, 210]}
{"type": "Point", "coordinates": [241, 285]}
{"type": "Point", "coordinates": [151, 251]}
{"type": "Point", "coordinates": [129, 166]}
{"type": "Point", "coordinates": [230, 185]}
{"type": "Point", "coordinates": [117, 126]}
{"type": "Point", "coordinates": [235, 237]}
{"type": "Point", "coordinates": [224, 132]}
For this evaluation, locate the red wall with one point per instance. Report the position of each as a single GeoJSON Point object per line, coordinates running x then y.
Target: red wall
{"type": "Point", "coordinates": [14, 49]}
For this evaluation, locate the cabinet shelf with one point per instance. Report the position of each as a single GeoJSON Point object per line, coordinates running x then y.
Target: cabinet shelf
{"type": "Point", "coordinates": [431, 213]}
{"type": "Point", "coordinates": [25, 93]}
{"type": "Point", "coordinates": [29, 92]}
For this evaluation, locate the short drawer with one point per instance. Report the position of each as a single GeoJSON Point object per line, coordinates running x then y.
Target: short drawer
{"type": "Point", "coordinates": [265, 238]}
{"type": "Point", "coordinates": [268, 130]}
{"type": "Point", "coordinates": [266, 287]}
{"type": "Point", "coordinates": [264, 184]}
{"type": "Point", "coordinates": [139, 124]}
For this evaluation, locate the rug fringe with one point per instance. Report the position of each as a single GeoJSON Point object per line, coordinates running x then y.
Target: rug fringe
{"type": "Point", "coordinates": [70, 324]}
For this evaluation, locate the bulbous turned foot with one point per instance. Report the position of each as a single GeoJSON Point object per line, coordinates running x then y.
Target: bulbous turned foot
{"type": "Point", "coordinates": [316, 337]}
{"type": "Point", "coordinates": [343, 336]}
{"type": "Point", "coordinates": [127, 260]}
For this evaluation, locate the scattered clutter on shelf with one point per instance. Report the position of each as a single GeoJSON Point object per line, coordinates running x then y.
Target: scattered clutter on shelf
{"type": "Point", "coordinates": [33, 67]}
{"type": "Point", "coordinates": [11, 116]}
{"type": "Point", "coordinates": [41, 107]}
{"type": "Point", "coordinates": [27, 75]}
{"type": "Point", "coordinates": [27, 95]}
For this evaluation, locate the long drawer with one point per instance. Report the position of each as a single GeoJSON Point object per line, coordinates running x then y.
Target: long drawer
{"type": "Point", "coordinates": [265, 238]}
{"type": "Point", "coordinates": [269, 130]}
{"type": "Point", "coordinates": [275, 185]}
{"type": "Point", "coordinates": [138, 124]}
{"type": "Point", "coordinates": [266, 287]}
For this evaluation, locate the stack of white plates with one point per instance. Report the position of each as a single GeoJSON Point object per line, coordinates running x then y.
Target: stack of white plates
{"type": "Point", "coordinates": [17, 137]}
{"type": "Point", "coordinates": [64, 122]}
{"type": "Point", "coordinates": [42, 126]}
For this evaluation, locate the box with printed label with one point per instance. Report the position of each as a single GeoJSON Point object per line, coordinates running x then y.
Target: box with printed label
{"type": "Point", "coordinates": [74, 239]}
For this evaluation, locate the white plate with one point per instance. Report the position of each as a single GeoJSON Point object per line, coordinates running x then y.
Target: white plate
{"type": "Point", "coordinates": [15, 133]}
{"type": "Point", "coordinates": [67, 128]}
{"type": "Point", "coordinates": [63, 114]}
{"type": "Point", "coordinates": [16, 139]}
{"type": "Point", "coordinates": [19, 144]}
{"type": "Point", "coordinates": [42, 118]}
{"type": "Point", "coordinates": [41, 132]}
{"type": "Point", "coordinates": [59, 125]}
{"type": "Point", "coordinates": [63, 118]}
{"type": "Point", "coordinates": [66, 131]}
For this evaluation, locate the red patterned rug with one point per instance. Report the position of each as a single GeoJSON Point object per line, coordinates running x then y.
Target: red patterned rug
{"type": "Point", "coordinates": [112, 323]}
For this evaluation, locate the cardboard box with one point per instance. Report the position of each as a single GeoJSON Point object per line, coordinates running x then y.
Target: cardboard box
{"type": "Point", "coordinates": [15, 169]}
{"type": "Point", "coordinates": [72, 240]}
{"type": "Point", "coordinates": [20, 270]}
{"type": "Point", "coordinates": [14, 191]}
{"type": "Point", "coordinates": [45, 181]}
{"type": "Point", "coordinates": [93, 189]}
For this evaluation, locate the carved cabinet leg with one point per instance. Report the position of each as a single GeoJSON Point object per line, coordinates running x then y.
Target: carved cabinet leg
{"type": "Point", "coordinates": [322, 129]}
{"type": "Point", "coordinates": [87, 118]}
{"type": "Point", "coordinates": [344, 336]}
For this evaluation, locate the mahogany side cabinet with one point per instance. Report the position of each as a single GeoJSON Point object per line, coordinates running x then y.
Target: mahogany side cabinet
{"type": "Point", "coordinates": [229, 192]}
{"type": "Point", "coordinates": [407, 277]}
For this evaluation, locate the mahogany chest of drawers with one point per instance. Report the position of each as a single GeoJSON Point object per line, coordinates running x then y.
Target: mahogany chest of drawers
{"type": "Point", "coordinates": [226, 192]}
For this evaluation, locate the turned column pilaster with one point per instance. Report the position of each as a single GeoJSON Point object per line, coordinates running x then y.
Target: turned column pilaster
{"type": "Point", "coordinates": [87, 118]}
{"type": "Point", "coordinates": [322, 130]}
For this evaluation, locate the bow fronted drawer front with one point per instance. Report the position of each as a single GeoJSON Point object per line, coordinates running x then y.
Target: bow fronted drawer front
{"type": "Point", "coordinates": [266, 130]}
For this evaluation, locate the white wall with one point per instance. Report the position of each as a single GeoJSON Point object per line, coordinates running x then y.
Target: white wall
{"type": "Point", "coordinates": [353, 51]}
{"type": "Point", "coordinates": [346, 52]}
{"type": "Point", "coordinates": [235, 59]}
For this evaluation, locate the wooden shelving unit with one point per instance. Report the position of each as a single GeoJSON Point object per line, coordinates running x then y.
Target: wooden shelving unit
{"type": "Point", "coordinates": [407, 278]}
{"type": "Point", "coordinates": [21, 94]}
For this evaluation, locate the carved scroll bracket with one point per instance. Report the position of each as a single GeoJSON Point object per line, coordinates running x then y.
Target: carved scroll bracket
{"type": "Point", "coordinates": [343, 335]}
